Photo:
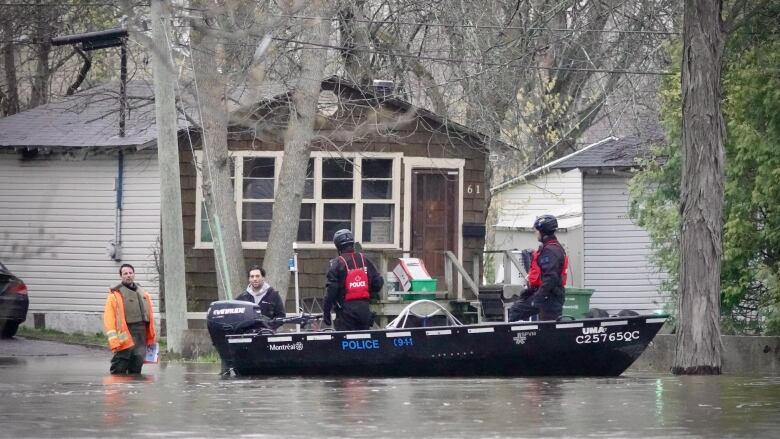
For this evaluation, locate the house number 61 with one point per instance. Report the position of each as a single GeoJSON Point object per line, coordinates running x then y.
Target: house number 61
{"type": "Point", "coordinates": [472, 189]}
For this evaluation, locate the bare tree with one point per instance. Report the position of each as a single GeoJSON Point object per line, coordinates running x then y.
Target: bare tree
{"type": "Point", "coordinates": [208, 58]}
{"type": "Point", "coordinates": [297, 150]}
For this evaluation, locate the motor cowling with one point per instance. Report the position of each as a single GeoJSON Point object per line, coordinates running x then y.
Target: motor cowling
{"type": "Point", "coordinates": [227, 317]}
{"type": "Point", "coordinates": [235, 316]}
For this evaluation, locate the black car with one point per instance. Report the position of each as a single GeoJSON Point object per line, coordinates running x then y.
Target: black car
{"type": "Point", "coordinates": [13, 302]}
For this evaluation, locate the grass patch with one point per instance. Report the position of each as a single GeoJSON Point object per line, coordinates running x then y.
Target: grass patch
{"type": "Point", "coordinates": [97, 340]}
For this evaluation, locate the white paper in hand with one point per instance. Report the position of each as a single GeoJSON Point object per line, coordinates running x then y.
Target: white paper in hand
{"type": "Point", "coordinates": [152, 354]}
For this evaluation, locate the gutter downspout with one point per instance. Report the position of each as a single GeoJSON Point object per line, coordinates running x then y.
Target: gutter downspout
{"type": "Point", "coordinates": [115, 247]}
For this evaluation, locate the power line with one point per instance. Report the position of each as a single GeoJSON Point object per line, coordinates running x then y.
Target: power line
{"type": "Point", "coordinates": [457, 60]}
{"type": "Point", "coordinates": [72, 5]}
{"type": "Point", "coordinates": [483, 26]}
{"type": "Point", "coordinates": [479, 26]}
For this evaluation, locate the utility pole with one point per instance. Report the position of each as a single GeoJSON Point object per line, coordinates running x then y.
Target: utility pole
{"type": "Point", "coordinates": [170, 185]}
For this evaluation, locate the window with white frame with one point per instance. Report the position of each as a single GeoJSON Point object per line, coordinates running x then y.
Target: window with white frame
{"type": "Point", "coordinates": [356, 192]}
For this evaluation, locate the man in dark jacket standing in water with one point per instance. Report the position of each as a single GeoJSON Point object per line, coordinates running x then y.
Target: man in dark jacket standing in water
{"type": "Point", "coordinates": [546, 277]}
{"type": "Point", "coordinates": [351, 280]}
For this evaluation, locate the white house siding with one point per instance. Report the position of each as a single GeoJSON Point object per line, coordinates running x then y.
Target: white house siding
{"type": "Point", "coordinates": [553, 192]}
{"type": "Point", "coordinates": [616, 250]}
{"type": "Point", "coordinates": [57, 218]}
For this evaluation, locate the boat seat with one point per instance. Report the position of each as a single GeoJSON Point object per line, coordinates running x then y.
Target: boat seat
{"type": "Point", "coordinates": [415, 321]}
{"type": "Point", "coordinates": [423, 313]}
{"type": "Point", "coordinates": [492, 302]}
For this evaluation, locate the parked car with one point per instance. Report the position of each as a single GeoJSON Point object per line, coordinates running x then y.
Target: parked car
{"type": "Point", "coordinates": [13, 302]}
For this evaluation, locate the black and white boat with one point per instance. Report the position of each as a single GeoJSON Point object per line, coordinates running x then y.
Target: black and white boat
{"type": "Point", "coordinates": [426, 340]}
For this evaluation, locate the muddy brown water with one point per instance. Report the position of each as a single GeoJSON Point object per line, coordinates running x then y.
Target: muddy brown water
{"type": "Point", "coordinates": [72, 395]}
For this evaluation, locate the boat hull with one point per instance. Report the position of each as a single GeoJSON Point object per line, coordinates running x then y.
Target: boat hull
{"type": "Point", "coordinates": [591, 347]}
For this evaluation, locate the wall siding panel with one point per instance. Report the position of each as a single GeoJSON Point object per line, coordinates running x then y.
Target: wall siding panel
{"type": "Point", "coordinates": [58, 217]}
{"type": "Point", "coordinates": [616, 250]}
{"type": "Point", "coordinates": [546, 193]}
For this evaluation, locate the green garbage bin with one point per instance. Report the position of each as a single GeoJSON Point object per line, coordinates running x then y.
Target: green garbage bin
{"type": "Point", "coordinates": [577, 302]}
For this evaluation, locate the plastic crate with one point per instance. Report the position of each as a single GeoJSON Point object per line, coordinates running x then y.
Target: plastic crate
{"type": "Point", "coordinates": [423, 285]}
{"type": "Point", "coordinates": [577, 302]}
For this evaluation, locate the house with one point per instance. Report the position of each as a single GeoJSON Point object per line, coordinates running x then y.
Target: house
{"type": "Point", "coordinates": [405, 180]}
{"type": "Point", "coordinates": [616, 252]}
{"type": "Point", "coordinates": [544, 190]}
{"type": "Point", "coordinates": [78, 200]}
{"type": "Point", "coordinates": [588, 191]}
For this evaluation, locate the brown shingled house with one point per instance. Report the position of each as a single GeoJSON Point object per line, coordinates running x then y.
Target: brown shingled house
{"type": "Point", "coordinates": [403, 179]}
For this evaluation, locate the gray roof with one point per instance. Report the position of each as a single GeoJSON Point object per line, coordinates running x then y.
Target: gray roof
{"type": "Point", "coordinates": [623, 152]}
{"type": "Point", "coordinates": [89, 118]}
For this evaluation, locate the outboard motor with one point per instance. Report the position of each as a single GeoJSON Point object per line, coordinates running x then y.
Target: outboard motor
{"type": "Point", "coordinates": [227, 317]}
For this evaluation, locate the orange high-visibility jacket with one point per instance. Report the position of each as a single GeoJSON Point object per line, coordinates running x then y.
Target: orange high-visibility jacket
{"type": "Point", "coordinates": [115, 326]}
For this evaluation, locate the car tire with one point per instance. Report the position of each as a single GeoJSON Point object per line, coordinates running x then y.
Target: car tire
{"type": "Point", "coordinates": [9, 328]}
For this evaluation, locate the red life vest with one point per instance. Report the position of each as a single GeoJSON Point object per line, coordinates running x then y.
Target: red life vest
{"type": "Point", "coordinates": [535, 273]}
{"type": "Point", "coordinates": [356, 282]}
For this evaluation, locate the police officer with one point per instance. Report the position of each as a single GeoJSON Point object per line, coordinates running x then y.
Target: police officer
{"type": "Point", "coordinates": [546, 277]}
{"type": "Point", "coordinates": [351, 280]}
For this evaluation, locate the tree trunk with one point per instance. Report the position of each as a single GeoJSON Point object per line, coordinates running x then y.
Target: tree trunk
{"type": "Point", "coordinates": [297, 149]}
{"type": "Point", "coordinates": [175, 288]}
{"type": "Point", "coordinates": [701, 191]}
{"type": "Point", "coordinates": [11, 105]}
{"type": "Point", "coordinates": [216, 165]}
{"type": "Point", "coordinates": [43, 32]}
{"type": "Point", "coordinates": [355, 41]}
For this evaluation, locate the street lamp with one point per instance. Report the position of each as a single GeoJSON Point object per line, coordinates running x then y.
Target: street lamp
{"type": "Point", "coordinates": [101, 40]}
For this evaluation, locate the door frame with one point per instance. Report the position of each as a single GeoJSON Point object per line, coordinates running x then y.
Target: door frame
{"type": "Point", "coordinates": [411, 163]}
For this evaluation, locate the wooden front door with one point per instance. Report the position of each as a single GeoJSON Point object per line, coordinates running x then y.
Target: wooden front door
{"type": "Point", "coordinates": [434, 218]}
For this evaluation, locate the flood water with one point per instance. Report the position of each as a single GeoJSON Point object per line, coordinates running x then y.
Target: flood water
{"type": "Point", "coordinates": [74, 396]}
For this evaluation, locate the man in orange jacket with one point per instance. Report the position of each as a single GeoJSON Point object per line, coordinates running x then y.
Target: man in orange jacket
{"type": "Point", "coordinates": [129, 323]}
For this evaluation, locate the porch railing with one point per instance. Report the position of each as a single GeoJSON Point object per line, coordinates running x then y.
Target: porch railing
{"type": "Point", "coordinates": [453, 267]}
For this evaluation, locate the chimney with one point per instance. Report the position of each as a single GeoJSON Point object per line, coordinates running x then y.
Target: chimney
{"type": "Point", "coordinates": [383, 87]}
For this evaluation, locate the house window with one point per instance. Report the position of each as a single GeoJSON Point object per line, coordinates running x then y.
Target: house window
{"type": "Point", "coordinates": [306, 223]}
{"type": "Point", "coordinates": [258, 197]}
{"type": "Point", "coordinates": [351, 191]}
{"type": "Point", "coordinates": [377, 179]}
{"type": "Point", "coordinates": [337, 175]}
{"type": "Point", "coordinates": [205, 230]}
{"type": "Point", "coordinates": [376, 189]}
{"type": "Point", "coordinates": [337, 217]}
{"type": "Point", "coordinates": [378, 223]}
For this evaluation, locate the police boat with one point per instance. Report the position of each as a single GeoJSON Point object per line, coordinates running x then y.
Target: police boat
{"type": "Point", "coordinates": [427, 340]}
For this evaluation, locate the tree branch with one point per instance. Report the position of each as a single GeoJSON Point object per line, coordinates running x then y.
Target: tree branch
{"type": "Point", "coordinates": [82, 72]}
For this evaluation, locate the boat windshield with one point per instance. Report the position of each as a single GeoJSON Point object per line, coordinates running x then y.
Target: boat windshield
{"type": "Point", "coordinates": [423, 313]}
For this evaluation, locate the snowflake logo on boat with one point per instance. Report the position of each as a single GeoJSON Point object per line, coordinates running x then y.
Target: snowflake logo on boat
{"type": "Point", "coordinates": [520, 338]}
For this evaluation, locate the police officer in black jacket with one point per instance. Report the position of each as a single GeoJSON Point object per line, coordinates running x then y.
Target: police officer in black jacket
{"type": "Point", "coordinates": [351, 280]}
{"type": "Point", "coordinates": [546, 277]}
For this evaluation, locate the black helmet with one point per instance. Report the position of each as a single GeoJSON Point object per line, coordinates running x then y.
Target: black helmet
{"type": "Point", "coordinates": [343, 239]}
{"type": "Point", "coordinates": [546, 224]}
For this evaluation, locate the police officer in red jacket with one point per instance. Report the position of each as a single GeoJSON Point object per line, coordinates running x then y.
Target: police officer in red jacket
{"type": "Point", "coordinates": [546, 277]}
{"type": "Point", "coordinates": [351, 281]}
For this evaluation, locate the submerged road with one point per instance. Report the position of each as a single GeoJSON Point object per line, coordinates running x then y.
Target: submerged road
{"type": "Point", "coordinates": [54, 390]}
{"type": "Point", "coordinates": [21, 347]}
